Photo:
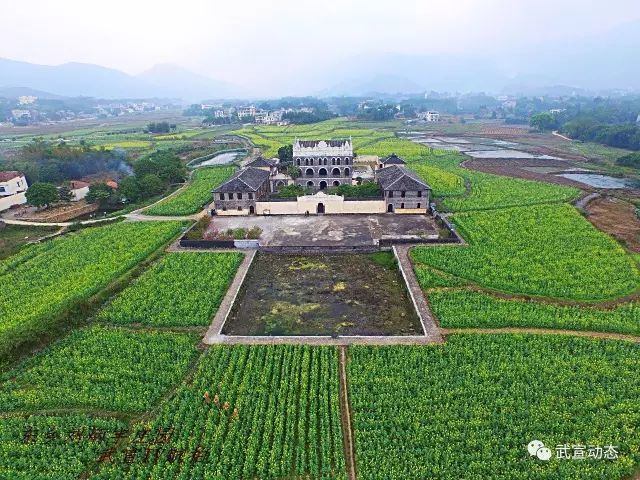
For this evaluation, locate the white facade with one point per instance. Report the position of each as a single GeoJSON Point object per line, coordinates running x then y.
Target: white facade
{"type": "Point", "coordinates": [322, 149]}
{"type": "Point", "coordinates": [429, 116]}
{"type": "Point", "coordinates": [11, 186]}
{"type": "Point", "coordinates": [320, 203]}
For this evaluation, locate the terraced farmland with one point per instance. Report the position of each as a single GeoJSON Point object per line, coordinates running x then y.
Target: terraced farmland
{"type": "Point", "coordinates": [269, 412]}
{"type": "Point", "coordinates": [468, 409]}
{"type": "Point", "coordinates": [183, 289]}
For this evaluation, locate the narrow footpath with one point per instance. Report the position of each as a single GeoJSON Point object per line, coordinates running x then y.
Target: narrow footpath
{"type": "Point", "coordinates": [345, 408]}
{"type": "Point", "coordinates": [214, 333]}
{"type": "Point", "coordinates": [429, 324]}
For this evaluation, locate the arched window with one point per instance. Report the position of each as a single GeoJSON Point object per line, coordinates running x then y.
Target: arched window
{"type": "Point", "coordinates": [346, 160]}
{"type": "Point", "coordinates": [335, 172]}
{"type": "Point", "coordinates": [337, 161]}
{"type": "Point", "coordinates": [323, 185]}
{"type": "Point", "coordinates": [322, 172]}
{"type": "Point", "coordinates": [333, 160]}
{"type": "Point", "coordinates": [325, 160]}
{"type": "Point", "coordinates": [309, 172]}
{"type": "Point", "coordinates": [306, 161]}
{"type": "Point", "coordinates": [347, 172]}
{"type": "Point", "coordinates": [298, 162]}
{"type": "Point", "coordinates": [336, 183]}
{"type": "Point", "coordinates": [309, 183]}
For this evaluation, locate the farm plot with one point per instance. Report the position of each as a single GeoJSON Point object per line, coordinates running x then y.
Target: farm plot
{"type": "Point", "coordinates": [545, 250]}
{"type": "Point", "coordinates": [323, 295]}
{"type": "Point", "coordinates": [469, 309]}
{"type": "Point", "coordinates": [54, 447]}
{"type": "Point", "coordinates": [249, 412]}
{"type": "Point", "coordinates": [468, 408]}
{"type": "Point", "coordinates": [99, 368]}
{"type": "Point", "coordinates": [195, 196]}
{"type": "Point", "coordinates": [183, 289]}
{"type": "Point", "coordinates": [38, 288]}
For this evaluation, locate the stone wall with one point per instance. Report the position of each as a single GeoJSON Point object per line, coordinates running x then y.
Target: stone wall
{"type": "Point", "coordinates": [409, 202]}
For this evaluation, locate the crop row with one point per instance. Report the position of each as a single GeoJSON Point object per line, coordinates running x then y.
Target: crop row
{"type": "Point", "coordinates": [468, 408]}
{"type": "Point", "coordinates": [463, 308]}
{"type": "Point", "coordinates": [99, 368]}
{"type": "Point", "coordinates": [54, 447]}
{"type": "Point", "coordinates": [249, 412]}
{"type": "Point", "coordinates": [195, 196]}
{"type": "Point", "coordinates": [76, 266]}
{"type": "Point", "coordinates": [182, 289]}
{"type": "Point", "coordinates": [546, 250]}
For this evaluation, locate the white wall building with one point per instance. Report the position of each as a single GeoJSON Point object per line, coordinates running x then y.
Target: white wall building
{"type": "Point", "coordinates": [429, 116]}
{"type": "Point", "coordinates": [11, 183]}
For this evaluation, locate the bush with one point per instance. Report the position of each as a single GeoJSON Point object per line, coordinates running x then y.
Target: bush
{"type": "Point", "coordinates": [632, 160]}
{"type": "Point", "coordinates": [254, 233]}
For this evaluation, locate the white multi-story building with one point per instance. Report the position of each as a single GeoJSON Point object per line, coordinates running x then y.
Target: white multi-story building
{"type": "Point", "coordinates": [249, 111]}
{"type": "Point", "coordinates": [12, 183]}
{"type": "Point", "coordinates": [429, 116]}
{"type": "Point", "coordinates": [323, 163]}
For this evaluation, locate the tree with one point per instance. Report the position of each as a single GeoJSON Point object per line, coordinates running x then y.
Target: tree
{"type": "Point", "coordinates": [150, 185]}
{"type": "Point", "coordinates": [293, 171]}
{"type": "Point", "coordinates": [285, 153]}
{"type": "Point", "coordinates": [130, 190]}
{"type": "Point", "coordinates": [542, 121]}
{"type": "Point", "coordinates": [41, 194]}
{"type": "Point", "coordinates": [65, 194]}
{"type": "Point", "coordinates": [99, 193]}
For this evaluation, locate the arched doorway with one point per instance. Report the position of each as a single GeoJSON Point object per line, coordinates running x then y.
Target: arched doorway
{"type": "Point", "coordinates": [323, 185]}
{"type": "Point", "coordinates": [309, 172]}
{"type": "Point", "coordinates": [336, 183]}
{"type": "Point", "coordinates": [347, 172]}
{"type": "Point", "coordinates": [320, 208]}
{"type": "Point", "coordinates": [252, 210]}
{"type": "Point", "coordinates": [322, 172]}
{"type": "Point", "coordinates": [335, 172]}
{"type": "Point", "coordinates": [390, 208]}
{"type": "Point", "coordinates": [309, 183]}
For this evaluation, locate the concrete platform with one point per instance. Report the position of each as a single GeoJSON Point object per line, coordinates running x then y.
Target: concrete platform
{"type": "Point", "coordinates": [330, 230]}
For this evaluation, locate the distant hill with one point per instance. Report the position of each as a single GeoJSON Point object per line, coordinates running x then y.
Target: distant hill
{"type": "Point", "coordinates": [83, 79]}
{"type": "Point", "coordinates": [378, 84]}
{"type": "Point", "coordinates": [15, 92]}
{"type": "Point", "coordinates": [173, 81]}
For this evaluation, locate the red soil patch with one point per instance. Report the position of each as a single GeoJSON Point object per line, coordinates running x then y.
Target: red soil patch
{"type": "Point", "coordinates": [616, 217]}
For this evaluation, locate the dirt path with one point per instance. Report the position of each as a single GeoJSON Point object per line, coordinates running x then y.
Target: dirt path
{"type": "Point", "coordinates": [543, 331]}
{"type": "Point", "coordinates": [221, 315]}
{"type": "Point", "coordinates": [345, 410]}
{"type": "Point", "coordinates": [429, 324]}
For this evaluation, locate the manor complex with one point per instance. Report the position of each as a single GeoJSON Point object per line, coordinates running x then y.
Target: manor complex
{"type": "Point", "coordinates": [321, 166]}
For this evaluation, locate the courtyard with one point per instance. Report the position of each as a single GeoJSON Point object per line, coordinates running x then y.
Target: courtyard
{"type": "Point", "coordinates": [361, 294]}
{"type": "Point", "coordinates": [330, 230]}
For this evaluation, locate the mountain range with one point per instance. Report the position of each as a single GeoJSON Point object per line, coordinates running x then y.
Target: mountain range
{"type": "Point", "coordinates": [595, 63]}
{"type": "Point", "coordinates": [83, 79]}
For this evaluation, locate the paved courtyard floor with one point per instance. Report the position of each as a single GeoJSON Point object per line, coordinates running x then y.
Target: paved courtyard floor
{"type": "Point", "coordinates": [330, 230]}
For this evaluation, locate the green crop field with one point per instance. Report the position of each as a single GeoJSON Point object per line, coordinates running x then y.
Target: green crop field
{"type": "Point", "coordinates": [54, 447]}
{"type": "Point", "coordinates": [196, 195]}
{"type": "Point", "coordinates": [101, 368]}
{"type": "Point", "coordinates": [463, 308]}
{"type": "Point", "coordinates": [58, 275]}
{"type": "Point", "coordinates": [468, 409]}
{"type": "Point", "coordinates": [183, 289]}
{"type": "Point", "coordinates": [273, 412]}
{"type": "Point", "coordinates": [546, 250]}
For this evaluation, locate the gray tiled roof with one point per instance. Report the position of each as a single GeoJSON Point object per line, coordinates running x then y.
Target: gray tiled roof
{"type": "Point", "coordinates": [392, 159]}
{"type": "Point", "coordinates": [396, 177]}
{"type": "Point", "coordinates": [260, 162]}
{"type": "Point", "coordinates": [249, 179]}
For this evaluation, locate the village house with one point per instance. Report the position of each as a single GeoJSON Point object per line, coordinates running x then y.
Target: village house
{"type": "Point", "coordinates": [250, 191]}
{"type": "Point", "coordinates": [11, 183]}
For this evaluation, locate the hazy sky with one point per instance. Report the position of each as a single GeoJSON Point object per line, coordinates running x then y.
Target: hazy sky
{"type": "Point", "coordinates": [239, 40]}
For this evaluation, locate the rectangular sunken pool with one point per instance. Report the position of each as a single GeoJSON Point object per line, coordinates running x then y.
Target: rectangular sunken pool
{"type": "Point", "coordinates": [360, 294]}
